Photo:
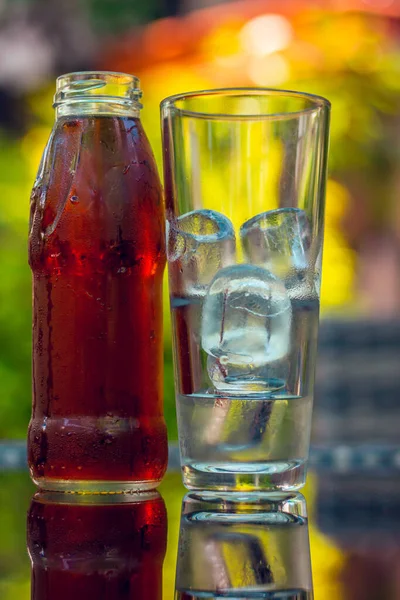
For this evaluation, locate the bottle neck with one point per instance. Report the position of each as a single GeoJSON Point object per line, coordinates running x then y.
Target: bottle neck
{"type": "Point", "coordinates": [97, 109]}
{"type": "Point", "coordinates": [97, 94]}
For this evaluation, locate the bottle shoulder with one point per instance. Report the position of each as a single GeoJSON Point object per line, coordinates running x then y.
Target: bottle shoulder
{"type": "Point", "coordinates": [98, 187]}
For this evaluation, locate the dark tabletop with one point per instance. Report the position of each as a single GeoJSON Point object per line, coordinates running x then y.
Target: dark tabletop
{"type": "Point", "coordinates": [354, 527]}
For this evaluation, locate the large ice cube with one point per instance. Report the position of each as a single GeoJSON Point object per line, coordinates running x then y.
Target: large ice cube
{"type": "Point", "coordinates": [199, 244]}
{"type": "Point", "coordinates": [279, 240]}
{"type": "Point", "coordinates": [246, 329]}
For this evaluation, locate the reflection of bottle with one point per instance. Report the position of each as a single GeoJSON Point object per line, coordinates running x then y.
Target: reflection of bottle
{"type": "Point", "coordinates": [109, 547]}
{"type": "Point", "coordinates": [243, 546]}
{"type": "Point", "coordinates": [97, 253]}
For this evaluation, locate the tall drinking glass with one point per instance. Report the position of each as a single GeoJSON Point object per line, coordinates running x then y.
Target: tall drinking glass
{"type": "Point", "coordinates": [245, 173]}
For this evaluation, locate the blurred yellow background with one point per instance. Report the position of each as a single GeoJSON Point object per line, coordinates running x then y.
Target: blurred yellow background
{"type": "Point", "coordinates": [352, 57]}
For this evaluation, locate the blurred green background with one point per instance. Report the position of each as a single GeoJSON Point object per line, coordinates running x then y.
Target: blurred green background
{"type": "Point", "coordinates": [350, 54]}
{"type": "Point", "coordinates": [351, 57]}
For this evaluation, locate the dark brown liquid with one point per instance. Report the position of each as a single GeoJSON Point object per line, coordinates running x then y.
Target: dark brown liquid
{"type": "Point", "coordinates": [82, 552]}
{"type": "Point", "coordinates": [97, 254]}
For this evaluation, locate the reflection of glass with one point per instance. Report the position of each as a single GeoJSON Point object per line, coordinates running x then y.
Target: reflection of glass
{"type": "Point", "coordinates": [243, 546]}
{"type": "Point", "coordinates": [97, 546]}
{"type": "Point", "coordinates": [245, 183]}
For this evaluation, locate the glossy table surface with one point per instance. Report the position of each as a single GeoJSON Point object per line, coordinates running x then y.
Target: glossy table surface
{"type": "Point", "coordinates": [354, 532]}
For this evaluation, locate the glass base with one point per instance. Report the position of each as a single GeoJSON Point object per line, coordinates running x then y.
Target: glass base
{"type": "Point", "coordinates": [244, 593]}
{"type": "Point", "coordinates": [271, 476]}
{"type": "Point", "coordinates": [93, 487]}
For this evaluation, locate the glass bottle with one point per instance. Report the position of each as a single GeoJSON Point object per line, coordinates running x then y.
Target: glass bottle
{"type": "Point", "coordinates": [97, 254]}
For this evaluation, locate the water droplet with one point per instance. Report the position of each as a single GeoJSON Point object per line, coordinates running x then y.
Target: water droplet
{"type": "Point", "coordinates": [74, 199]}
{"type": "Point", "coordinates": [122, 270]}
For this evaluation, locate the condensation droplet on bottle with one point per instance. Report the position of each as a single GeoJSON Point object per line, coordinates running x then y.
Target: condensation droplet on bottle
{"type": "Point", "coordinates": [74, 199]}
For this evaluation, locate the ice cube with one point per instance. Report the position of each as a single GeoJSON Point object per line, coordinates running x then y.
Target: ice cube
{"type": "Point", "coordinates": [279, 240]}
{"type": "Point", "coordinates": [199, 244]}
{"type": "Point", "coordinates": [246, 330]}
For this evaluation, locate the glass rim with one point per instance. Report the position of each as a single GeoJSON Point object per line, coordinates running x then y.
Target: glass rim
{"type": "Point", "coordinates": [317, 103]}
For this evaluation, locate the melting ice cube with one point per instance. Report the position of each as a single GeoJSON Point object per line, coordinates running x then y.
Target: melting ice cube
{"type": "Point", "coordinates": [199, 243]}
{"type": "Point", "coordinates": [246, 329]}
{"type": "Point", "coordinates": [279, 240]}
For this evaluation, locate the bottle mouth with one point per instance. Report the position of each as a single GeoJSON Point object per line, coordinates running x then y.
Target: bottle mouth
{"type": "Point", "coordinates": [93, 91]}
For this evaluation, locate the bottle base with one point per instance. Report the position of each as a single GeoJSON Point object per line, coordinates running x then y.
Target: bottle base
{"type": "Point", "coordinates": [93, 487]}
{"type": "Point", "coordinates": [272, 476]}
